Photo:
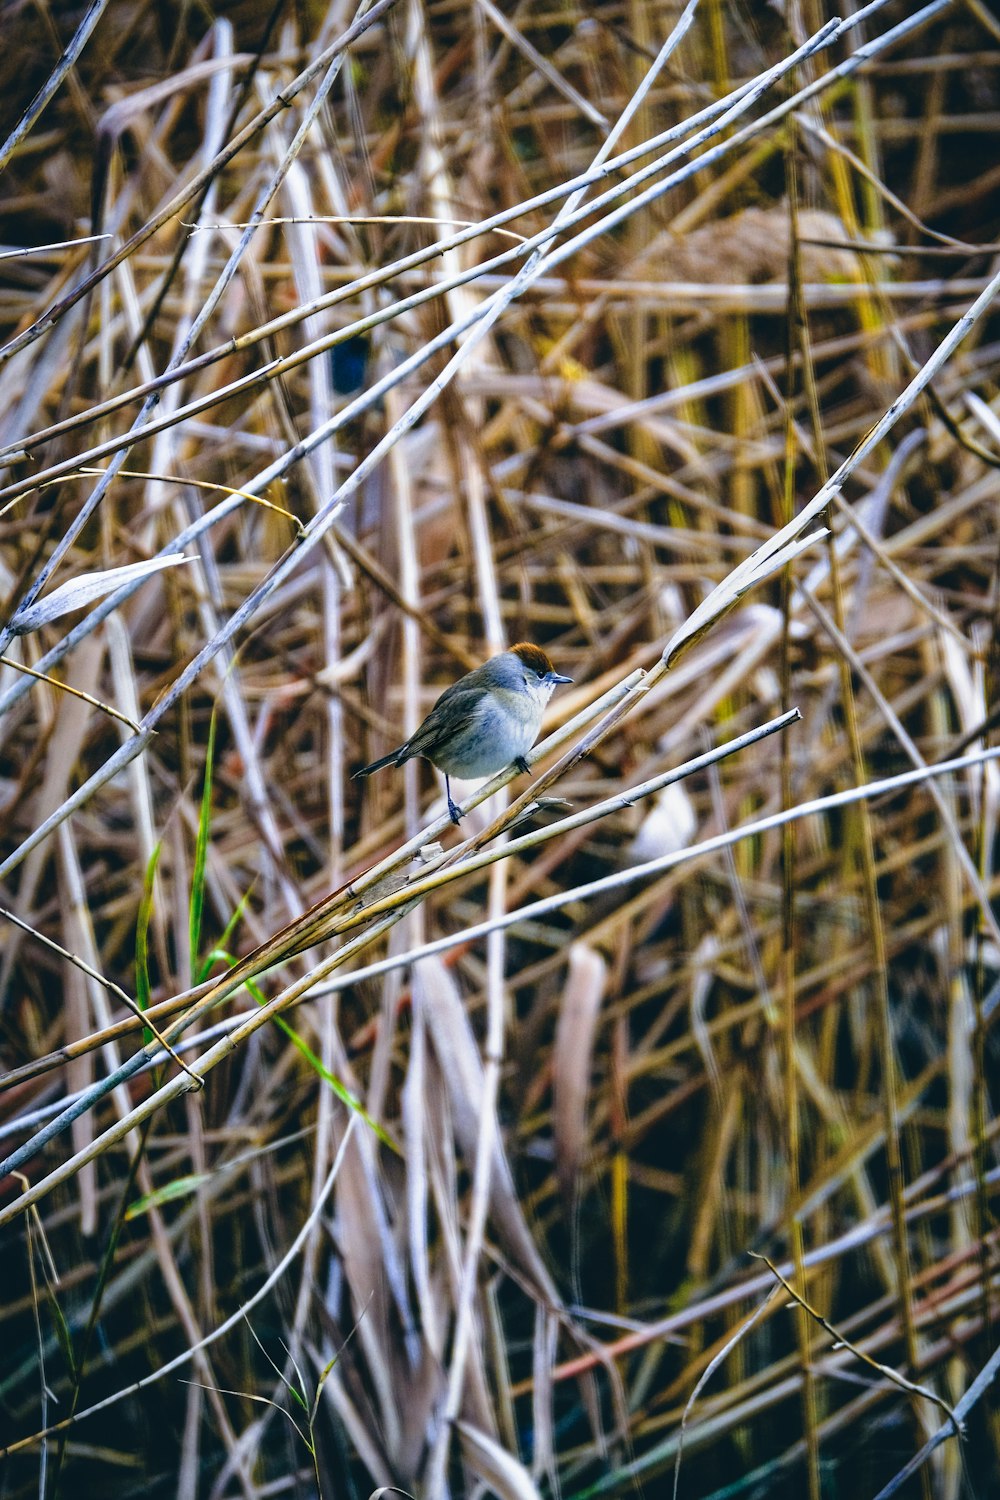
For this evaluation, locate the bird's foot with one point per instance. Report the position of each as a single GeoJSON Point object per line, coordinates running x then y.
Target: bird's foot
{"type": "Point", "coordinates": [455, 811]}
{"type": "Point", "coordinates": [522, 765]}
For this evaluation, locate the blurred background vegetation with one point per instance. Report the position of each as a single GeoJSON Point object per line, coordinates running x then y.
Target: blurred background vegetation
{"type": "Point", "coordinates": [785, 1047]}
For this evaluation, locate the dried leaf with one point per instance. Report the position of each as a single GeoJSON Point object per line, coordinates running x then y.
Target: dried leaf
{"type": "Point", "coordinates": [83, 590]}
{"type": "Point", "coordinates": [751, 248]}
{"type": "Point", "coordinates": [456, 1050]}
{"type": "Point", "coordinates": [506, 1476]}
{"type": "Point", "coordinates": [668, 825]}
{"type": "Point", "coordinates": [573, 1058]}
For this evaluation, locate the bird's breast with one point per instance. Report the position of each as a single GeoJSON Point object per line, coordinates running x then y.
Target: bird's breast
{"type": "Point", "coordinates": [502, 726]}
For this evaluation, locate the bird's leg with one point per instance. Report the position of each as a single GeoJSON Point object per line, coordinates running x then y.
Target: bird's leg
{"type": "Point", "coordinates": [522, 764]}
{"type": "Point", "coordinates": [454, 810]}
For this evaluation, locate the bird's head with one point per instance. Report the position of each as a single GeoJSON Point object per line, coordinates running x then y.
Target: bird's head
{"type": "Point", "coordinates": [536, 673]}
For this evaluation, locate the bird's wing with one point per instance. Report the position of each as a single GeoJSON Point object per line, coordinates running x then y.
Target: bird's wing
{"type": "Point", "coordinates": [457, 706]}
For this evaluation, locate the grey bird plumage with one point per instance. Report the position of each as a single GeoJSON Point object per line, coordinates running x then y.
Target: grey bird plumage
{"type": "Point", "coordinates": [489, 719]}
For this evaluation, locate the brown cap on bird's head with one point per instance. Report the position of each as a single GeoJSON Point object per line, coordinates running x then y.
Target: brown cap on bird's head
{"type": "Point", "coordinates": [535, 659]}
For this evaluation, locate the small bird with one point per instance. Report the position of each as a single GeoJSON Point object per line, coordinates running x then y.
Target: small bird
{"type": "Point", "coordinates": [486, 720]}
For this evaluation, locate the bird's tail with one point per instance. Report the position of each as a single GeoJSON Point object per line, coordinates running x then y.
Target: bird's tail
{"type": "Point", "coordinates": [394, 758]}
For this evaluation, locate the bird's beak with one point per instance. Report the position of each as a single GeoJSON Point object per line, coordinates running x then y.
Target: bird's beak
{"type": "Point", "coordinates": [556, 677]}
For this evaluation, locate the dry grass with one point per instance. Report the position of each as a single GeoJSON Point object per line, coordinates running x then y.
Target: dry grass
{"type": "Point", "coordinates": [455, 1185]}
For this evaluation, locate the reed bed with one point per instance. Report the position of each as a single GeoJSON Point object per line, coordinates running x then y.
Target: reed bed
{"type": "Point", "coordinates": [639, 1136]}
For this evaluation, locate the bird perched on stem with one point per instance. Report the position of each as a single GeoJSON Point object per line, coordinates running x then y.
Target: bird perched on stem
{"type": "Point", "coordinates": [486, 720]}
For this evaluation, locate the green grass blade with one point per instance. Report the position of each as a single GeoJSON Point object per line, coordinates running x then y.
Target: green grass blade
{"type": "Point", "coordinates": [196, 902]}
{"type": "Point", "coordinates": [143, 988]}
